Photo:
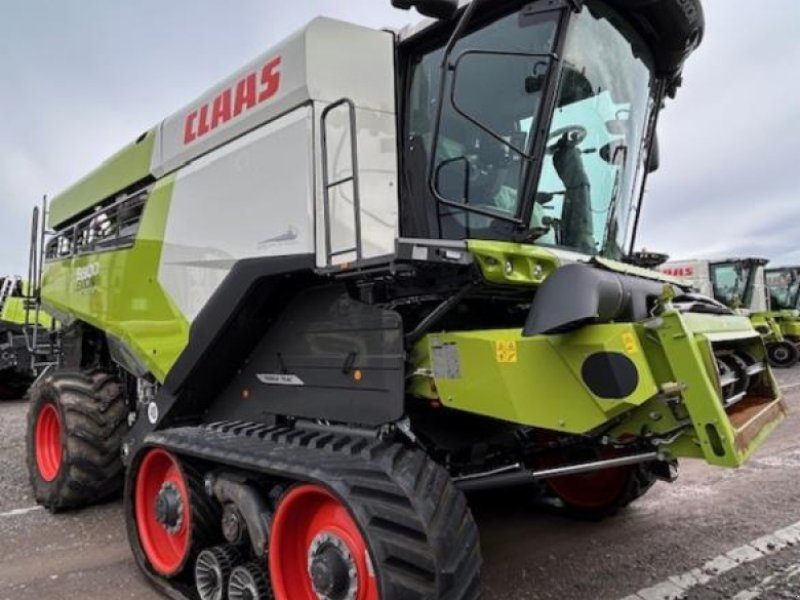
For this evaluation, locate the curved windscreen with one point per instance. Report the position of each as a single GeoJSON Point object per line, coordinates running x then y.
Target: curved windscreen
{"type": "Point", "coordinates": [733, 283]}
{"type": "Point", "coordinates": [784, 289]}
{"type": "Point", "coordinates": [596, 151]}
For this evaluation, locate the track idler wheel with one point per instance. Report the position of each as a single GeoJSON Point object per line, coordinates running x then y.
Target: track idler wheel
{"type": "Point", "coordinates": [213, 569]}
{"type": "Point", "coordinates": [783, 355]}
{"type": "Point", "coordinates": [173, 518]}
{"type": "Point", "coordinates": [317, 550]}
{"type": "Point", "coordinates": [250, 582]}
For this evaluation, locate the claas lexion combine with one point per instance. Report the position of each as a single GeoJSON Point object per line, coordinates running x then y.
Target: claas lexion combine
{"type": "Point", "coordinates": [368, 273]}
{"type": "Point", "coordinates": [745, 285]}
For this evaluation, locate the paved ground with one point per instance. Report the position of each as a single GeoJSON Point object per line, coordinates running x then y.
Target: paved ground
{"type": "Point", "coordinates": [719, 534]}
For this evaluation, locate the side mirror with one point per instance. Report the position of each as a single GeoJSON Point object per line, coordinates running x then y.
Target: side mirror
{"type": "Point", "coordinates": [436, 9]}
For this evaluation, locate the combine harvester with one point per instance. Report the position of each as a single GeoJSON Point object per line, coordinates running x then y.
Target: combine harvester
{"type": "Point", "coordinates": [28, 344]}
{"type": "Point", "coordinates": [14, 377]}
{"type": "Point", "coordinates": [783, 284]}
{"type": "Point", "coordinates": [741, 284]}
{"type": "Point", "coordinates": [369, 272]}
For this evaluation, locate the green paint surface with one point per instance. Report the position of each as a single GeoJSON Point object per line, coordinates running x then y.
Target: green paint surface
{"type": "Point", "coordinates": [126, 167]}
{"type": "Point", "coordinates": [126, 299]}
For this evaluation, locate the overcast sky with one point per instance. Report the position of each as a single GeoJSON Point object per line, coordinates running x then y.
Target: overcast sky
{"type": "Point", "coordinates": [81, 78]}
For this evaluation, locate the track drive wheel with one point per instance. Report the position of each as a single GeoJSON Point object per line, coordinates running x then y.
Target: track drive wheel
{"type": "Point", "coordinates": [317, 550]}
{"type": "Point", "coordinates": [371, 540]}
{"type": "Point", "coordinates": [76, 424]}
{"type": "Point", "coordinates": [170, 519]}
{"type": "Point", "coordinates": [783, 355]}
{"type": "Point", "coordinates": [598, 494]}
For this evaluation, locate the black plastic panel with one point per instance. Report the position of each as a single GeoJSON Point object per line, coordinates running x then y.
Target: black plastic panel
{"type": "Point", "coordinates": [610, 375]}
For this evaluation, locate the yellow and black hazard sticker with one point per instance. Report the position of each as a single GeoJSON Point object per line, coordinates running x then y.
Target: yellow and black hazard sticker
{"type": "Point", "coordinates": [506, 351]}
{"type": "Point", "coordinates": [630, 343]}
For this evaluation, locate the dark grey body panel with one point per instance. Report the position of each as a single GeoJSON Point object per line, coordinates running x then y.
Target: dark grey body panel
{"type": "Point", "coordinates": [328, 357]}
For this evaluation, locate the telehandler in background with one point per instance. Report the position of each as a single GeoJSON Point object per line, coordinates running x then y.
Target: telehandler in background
{"type": "Point", "coordinates": [741, 284]}
{"type": "Point", "coordinates": [372, 271]}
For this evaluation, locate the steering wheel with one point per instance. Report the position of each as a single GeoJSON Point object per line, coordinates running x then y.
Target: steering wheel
{"type": "Point", "coordinates": [573, 134]}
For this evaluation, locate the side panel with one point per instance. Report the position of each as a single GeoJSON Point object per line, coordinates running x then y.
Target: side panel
{"type": "Point", "coordinates": [251, 198]}
{"type": "Point", "coordinates": [695, 271]}
{"type": "Point", "coordinates": [326, 357]}
{"type": "Point", "coordinates": [118, 291]}
{"type": "Point", "coordinates": [760, 301]}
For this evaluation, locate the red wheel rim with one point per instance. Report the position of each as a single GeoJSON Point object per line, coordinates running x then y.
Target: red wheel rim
{"type": "Point", "coordinates": [591, 491]}
{"type": "Point", "coordinates": [166, 548]}
{"type": "Point", "coordinates": [48, 442]}
{"type": "Point", "coordinates": [306, 515]}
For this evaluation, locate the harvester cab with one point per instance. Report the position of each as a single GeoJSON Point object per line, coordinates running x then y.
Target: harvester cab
{"type": "Point", "coordinates": [783, 285]}
{"type": "Point", "coordinates": [784, 288]}
{"type": "Point", "coordinates": [369, 269]}
{"type": "Point", "coordinates": [742, 285]}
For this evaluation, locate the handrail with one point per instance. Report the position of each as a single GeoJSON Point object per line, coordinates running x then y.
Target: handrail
{"type": "Point", "coordinates": [327, 185]}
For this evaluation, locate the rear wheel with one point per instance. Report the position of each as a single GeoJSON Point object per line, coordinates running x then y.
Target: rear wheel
{"type": "Point", "coordinates": [597, 494]}
{"type": "Point", "coordinates": [76, 423]}
{"type": "Point", "coordinates": [783, 355]}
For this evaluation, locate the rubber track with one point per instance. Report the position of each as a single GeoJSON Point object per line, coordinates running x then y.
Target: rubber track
{"type": "Point", "coordinates": [423, 539]}
{"type": "Point", "coordinates": [95, 415]}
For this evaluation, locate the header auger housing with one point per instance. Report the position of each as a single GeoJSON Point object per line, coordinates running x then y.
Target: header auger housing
{"type": "Point", "coordinates": [317, 304]}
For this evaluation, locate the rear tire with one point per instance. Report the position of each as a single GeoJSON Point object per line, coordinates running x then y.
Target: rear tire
{"type": "Point", "coordinates": [76, 424]}
{"type": "Point", "coordinates": [597, 494]}
{"type": "Point", "coordinates": [601, 494]}
{"type": "Point", "coordinates": [783, 355]}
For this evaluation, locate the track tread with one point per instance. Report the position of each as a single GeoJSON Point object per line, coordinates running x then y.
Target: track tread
{"type": "Point", "coordinates": [416, 522]}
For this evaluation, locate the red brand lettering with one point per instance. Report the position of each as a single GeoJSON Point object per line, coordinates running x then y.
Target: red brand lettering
{"type": "Point", "coordinates": [245, 94]}
{"type": "Point", "coordinates": [252, 89]}
{"type": "Point", "coordinates": [203, 127]}
{"type": "Point", "coordinates": [678, 271]}
{"type": "Point", "coordinates": [270, 80]}
{"type": "Point", "coordinates": [188, 131]}
{"type": "Point", "coordinates": [222, 109]}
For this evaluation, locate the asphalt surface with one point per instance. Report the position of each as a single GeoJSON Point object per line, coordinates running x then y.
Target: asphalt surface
{"type": "Point", "coordinates": [713, 534]}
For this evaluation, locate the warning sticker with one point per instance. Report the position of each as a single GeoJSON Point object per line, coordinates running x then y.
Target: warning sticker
{"type": "Point", "coordinates": [506, 351]}
{"type": "Point", "coordinates": [629, 341]}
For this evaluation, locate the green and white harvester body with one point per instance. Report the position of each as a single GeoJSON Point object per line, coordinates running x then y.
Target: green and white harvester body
{"type": "Point", "coordinates": [370, 272]}
{"type": "Point", "coordinates": [26, 347]}
{"type": "Point", "coordinates": [743, 284]}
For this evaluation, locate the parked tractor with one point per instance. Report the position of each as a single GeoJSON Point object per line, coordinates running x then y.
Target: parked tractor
{"type": "Point", "coordinates": [741, 284]}
{"type": "Point", "coordinates": [371, 272]}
